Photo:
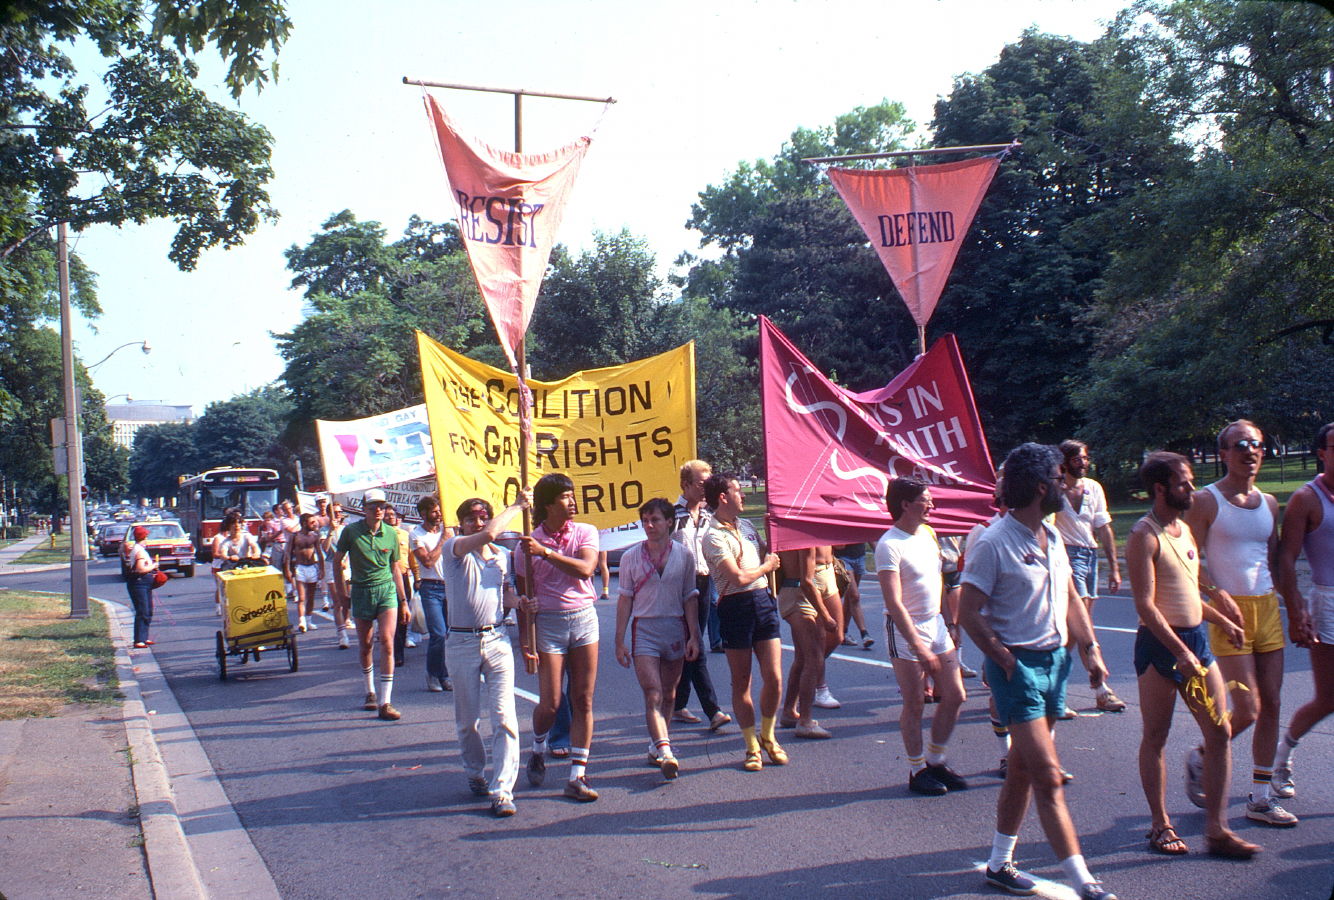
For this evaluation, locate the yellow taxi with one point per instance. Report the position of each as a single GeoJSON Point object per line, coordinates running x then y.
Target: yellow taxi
{"type": "Point", "coordinates": [167, 543]}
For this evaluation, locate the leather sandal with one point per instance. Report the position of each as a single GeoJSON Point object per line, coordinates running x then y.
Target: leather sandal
{"type": "Point", "coordinates": [753, 762]}
{"type": "Point", "coordinates": [1229, 846]}
{"type": "Point", "coordinates": [1165, 840]}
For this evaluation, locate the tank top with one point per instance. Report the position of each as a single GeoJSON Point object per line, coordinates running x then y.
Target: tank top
{"type": "Point", "coordinates": [1319, 544]}
{"type": "Point", "coordinates": [1238, 546]}
{"type": "Point", "coordinates": [1176, 574]}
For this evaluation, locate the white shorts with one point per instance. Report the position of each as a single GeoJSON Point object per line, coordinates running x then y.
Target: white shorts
{"type": "Point", "coordinates": [308, 574]}
{"type": "Point", "coordinates": [932, 631]}
{"type": "Point", "coordinates": [660, 636]}
{"type": "Point", "coordinates": [1321, 604]}
{"type": "Point", "coordinates": [560, 632]}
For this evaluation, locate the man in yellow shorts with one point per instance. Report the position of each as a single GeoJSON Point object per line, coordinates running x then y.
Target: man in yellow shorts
{"type": "Point", "coordinates": [1236, 527]}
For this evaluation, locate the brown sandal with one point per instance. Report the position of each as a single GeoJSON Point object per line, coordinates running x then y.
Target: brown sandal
{"type": "Point", "coordinates": [1229, 846]}
{"type": "Point", "coordinates": [1164, 840]}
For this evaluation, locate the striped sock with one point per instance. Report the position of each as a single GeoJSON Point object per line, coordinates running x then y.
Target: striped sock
{"type": "Point", "coordinates": [663, 748]}
{"type": "Point", "coordinates": [540, 742]}
{"type": "Point", "coordinates": [368, 672]}
{"type": "Point", "coordinates": [1002, 732]}
{"type": "Point", "coordinates": [1260, 786]}
{"type": "Point", "coordinates": [935, 754]}
{"type": "Point", "coordinates": [385, 688]}
{"type": "Point", "coordinates": [916, 764]}
{"type": "Point", "coordinates": [578, 762]}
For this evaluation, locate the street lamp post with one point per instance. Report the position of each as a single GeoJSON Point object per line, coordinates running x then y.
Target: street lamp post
{"type": "Point", "coordinates": [78, 530]}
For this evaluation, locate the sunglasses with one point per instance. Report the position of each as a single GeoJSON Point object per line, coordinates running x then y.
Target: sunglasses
{"type": "Point", "coordinates": [1248, 444]}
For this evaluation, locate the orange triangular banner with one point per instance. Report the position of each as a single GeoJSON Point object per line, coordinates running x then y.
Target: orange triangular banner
{"type": "Point", "coordinates": [509, 208]}
{"type": "Point", "coordinates": [916, 218]}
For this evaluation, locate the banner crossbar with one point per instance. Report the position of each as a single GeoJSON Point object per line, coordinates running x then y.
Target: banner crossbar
{"type": "Point", "coordinates": [497, 90]}
{"type": "Point", "coordinates": [930, 151]}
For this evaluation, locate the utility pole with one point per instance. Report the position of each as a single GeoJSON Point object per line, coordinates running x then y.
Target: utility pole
{"type": "Point", "coordinates": [78, 531]}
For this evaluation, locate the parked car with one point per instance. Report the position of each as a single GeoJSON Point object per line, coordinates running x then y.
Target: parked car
{"type": "Point", "coordinates": [167, 543]}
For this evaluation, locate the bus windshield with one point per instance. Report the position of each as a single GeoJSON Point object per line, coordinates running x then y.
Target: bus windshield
{"type": "Point", "coordinates": [253, 502]}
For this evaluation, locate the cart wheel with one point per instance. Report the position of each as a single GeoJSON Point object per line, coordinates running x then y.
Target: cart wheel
{"type": "Point", "coordinates": [222, 658]}
{"type": "Point", "coordinates": [256, 652]}
{"type": "Point", "coordinates": [291, 654]}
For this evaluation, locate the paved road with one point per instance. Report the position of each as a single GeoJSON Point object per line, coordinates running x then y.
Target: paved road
{"type": "Point", "coordinates": [339, 803]}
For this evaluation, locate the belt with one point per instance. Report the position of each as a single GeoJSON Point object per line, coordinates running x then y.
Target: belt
{"type": "Point", "coordinates": [483, 630]}
{"type": "Point", "coordinates": [791, 582]}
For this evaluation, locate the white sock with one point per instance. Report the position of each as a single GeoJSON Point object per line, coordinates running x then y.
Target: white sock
{"type": "Point", "coordinates": [1102, 690]}
{"type": "Point", "coordinates": [663, 749]}
{"type": "Point", "coordinates": [368, 672]}
{"type": "Point", "coordinates": [1076, 870]}
{"type": "Point", "coordinates": [1002, 850]}
{"type": "Point", "coordinates": [540, 742]}
{"type": "Point", "coordinates": [1283, 756]}
{"type": "Point", "coordinates": [935, 754]}
{"type": "Point", "coordinates": [578, 762]}
{"type": "Point", "coordinates": [385, 688]}
{"type": "Point", "coordinates": [916, 764]}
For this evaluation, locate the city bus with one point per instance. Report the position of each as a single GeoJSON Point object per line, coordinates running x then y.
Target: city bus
{"type": "Point", "coordinates": [203, 500]}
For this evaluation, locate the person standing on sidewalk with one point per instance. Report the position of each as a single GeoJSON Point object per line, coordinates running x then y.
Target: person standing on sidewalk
{"type": "Point", "coordinates": [371, 549]}
{"type": "Point", "coordinates": [693, 521]}
{"type": "Point", "coordinates": [1085, 524]}
{"type": "Point", "coordinates": [140, 567]}
{"type": "Point", "coordinates": [428, 543]}
{"type": "Point", "coordinates": [478, 648]}
{"type": "Point", "coordinates": [1236, 527]}
{"type": "Point", "coordinates": [1019, 605]}
{"type": "Point", "coordinates": [565, 556]}
{"type": "Point", "coordinates": [657, 604]}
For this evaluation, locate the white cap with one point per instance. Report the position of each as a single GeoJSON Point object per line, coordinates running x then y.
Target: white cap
{"type": "Point", "coordinates": [374, 495]}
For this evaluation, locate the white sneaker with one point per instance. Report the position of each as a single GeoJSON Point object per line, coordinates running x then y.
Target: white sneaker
{"type": "Point", "coordinates": [311, 626]}
{"type": "Point", "coordinates": [1270, 813]}
{"type": "Point", "coordinates": [510, 620]}
{"type": "Point", "coordinates": [1194, 774]}
{"type": "Point", "coordinates": [410, 642]}
{"type": "Point", "coordinates": [1281, 782]}
{"type": "Point", "coordinates": [825, 700]}
{"type": "Point", "coordinates": [342, 639]}
{"type": "Point", "coordinates": [433, 685]}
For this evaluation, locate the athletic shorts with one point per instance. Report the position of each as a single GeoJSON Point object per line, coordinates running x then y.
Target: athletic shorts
{"type": "Point", "coordinates": [308, 574]}
{"type": "Point", "coordinates": [747, 618]}
{"type": "Point", "coordinates": [277, 553]}
{"type": "Point", "coordinates": [856, 565]}
{"type": "Point", "coordinates": [1084, 567]}
{"type": "Point", "coordinates": [931, 631]}
{"type": "Point", "coordinates": [951, 580]}
{"type": "Point", "coordinates": [1149, 651]}
{"type": "Point", "coordinates": [661, 636]}
{"type": "Point", "coordinates": [1035, 690]}
{"type": "Point", "coordinates": [792, 600]}
{"type": "Point", "coordinates": [824, 580]}
{"type": "Point", "coordinates": [561, 631]}
{"type": "Point", "coordinates": [369, 600]}
{"type": "Point", "coordinates": [1263, 624]}
{"type": "Point", "coordinates": [1320, 601]}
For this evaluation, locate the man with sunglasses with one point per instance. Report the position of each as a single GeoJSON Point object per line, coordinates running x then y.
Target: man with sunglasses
{"type": "Point", "coordinates": [1236, 527]}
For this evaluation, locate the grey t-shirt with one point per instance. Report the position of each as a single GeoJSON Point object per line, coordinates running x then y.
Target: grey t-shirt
{"type": "Point", "coordinates": [1028, 591]}
{"type": "Point", "coordinates": [474, 586]}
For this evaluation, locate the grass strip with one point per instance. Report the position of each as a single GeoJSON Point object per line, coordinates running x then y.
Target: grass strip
{"type": "Point", "coordinates": [48, 660]}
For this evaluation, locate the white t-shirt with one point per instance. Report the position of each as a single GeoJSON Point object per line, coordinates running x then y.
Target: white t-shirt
{"type": "Point", "coordinates": [427, 540]}
{"type": "Point", "coordinates": [654, 593]}
{"type": "Point", "coordinates": [916, 559]}
{"type": "Point", "coordinates": [1028, 592]}
{"type": "Point", "coordinates": [1077, 526]}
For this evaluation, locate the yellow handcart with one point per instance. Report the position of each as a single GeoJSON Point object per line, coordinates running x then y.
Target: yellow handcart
{"type": "Point", "coordinates": [254, 617]}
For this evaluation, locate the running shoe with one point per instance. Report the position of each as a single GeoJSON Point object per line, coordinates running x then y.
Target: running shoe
{"type": "Point", "coordinates": [848, 642]}
{"type": "Point", "coordinates": [967, 671]}
{"type": "Point", "coordinates": [342, 639]}
{"type": "Point", "coordinates": [1109, 702]}
{"type": "Point", "coordinates": [447, 683]}
{"type": "Point", "coordinates": [925, 783]}
{"type": "Point", "coordinates": [825, 700]}
{"type": "Point", "coordinates": [578, 789]}
{"type": "Point", "coordinates": [812, 731]}
{"type": "Point", "coordinates": [1194, 776]}
{"type": "Point", "coordinates": [1068, 714]}
{"type": "Point", "coordinates": [325, 606]}
{"type": "Point", "coordinates": [1281, 782]}
{"type": "Point", "coordinates": [370, 704]}
{"type": "Point", "coordinates": [719, 719]}
{"type": "Point", "coordinates": [509, 620]}
{"type": "Point", "coordinates": [311, 626]}
{"type": "Point", "coordinates": [502, 808]}
{"type": "Point", "coordinates": [670, 767]}
{"type": "Point", "coordinates": [653, 760]}
{"type": "Point", "coordinates": [537, 769]}
{"type": "Point", "coordinates": [686, 716]}
{"type": "Point", "coordinates": [433, 684]}
{"type": "Point", "coordinates": [1270, 813]}
{"type": "Point", "coordinates": [478, 786]}
{"type": "Point", "coordinates": [1095, 891]}
{"type": "Point", "coordinates": [410, 641]}
{"type": "Point", "coordinates": [868, 642]}
{"type": "Point", "coordinates": [389, 714]}
{"type": "Point", "coordinates": [1010, 879]}
{"type": "Point", "coordinates": [948, 777]}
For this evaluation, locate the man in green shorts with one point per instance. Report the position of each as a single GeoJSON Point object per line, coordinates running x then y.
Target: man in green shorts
{"type": "Point", "coordinates": [371, 549]}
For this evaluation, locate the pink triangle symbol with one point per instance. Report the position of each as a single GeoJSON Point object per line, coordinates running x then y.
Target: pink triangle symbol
{"type": "Point", "coordinates": [349, 444]}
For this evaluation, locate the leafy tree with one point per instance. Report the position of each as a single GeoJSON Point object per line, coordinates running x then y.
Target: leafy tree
{"type": "Point", "coordinates": [161, 454]}
{"type": "Point", "coordinates": [243, 431]}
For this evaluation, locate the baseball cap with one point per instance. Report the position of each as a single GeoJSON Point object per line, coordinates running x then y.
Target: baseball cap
{"type": "Point", "coordinates": [374, 495]}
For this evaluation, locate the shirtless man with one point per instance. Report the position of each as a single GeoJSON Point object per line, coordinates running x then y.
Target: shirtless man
{"type": "Point", "coordinates": [1236, 526]}
{"type": "Point", "coordinates": [304, 565]}
{"type": "Point", "coordinates": [800, 603]}
{"type": "Point", "coordinates": [827, 586]}
{"type": "Point", "coordinates": [1172, 654]}
{"type": "Point", "coordinates": [1308, 525]}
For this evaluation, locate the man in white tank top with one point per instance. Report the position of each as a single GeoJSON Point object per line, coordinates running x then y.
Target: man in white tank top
{"type": "Point", "coordinates": [1236, 528]}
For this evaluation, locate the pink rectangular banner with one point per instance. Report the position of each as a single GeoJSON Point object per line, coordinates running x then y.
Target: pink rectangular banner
{"type": "Point", "coordinates": [832, 453]}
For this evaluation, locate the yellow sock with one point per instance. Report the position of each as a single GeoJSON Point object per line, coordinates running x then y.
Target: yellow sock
{"type": "Point", "coordinates": [752, 742]}
{"type": "Point", "coordinates": [767, 728]}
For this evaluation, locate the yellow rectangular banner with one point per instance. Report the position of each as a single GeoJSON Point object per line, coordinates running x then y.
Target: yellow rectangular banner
{"type": "Point", "coordinates": [620, 433]}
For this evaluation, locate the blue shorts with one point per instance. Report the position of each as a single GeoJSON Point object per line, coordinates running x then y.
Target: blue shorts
{"type": "Point", "coordinates": [1036, 689]}
{"type": "Point", "coordinates": [856, 564]}
{"type": "Point", "coordinates": [1149, 651]}
{"type": "Point", "coordinates": [1084, 566]}
{"type": "Point", "coordinates": [748, 618]}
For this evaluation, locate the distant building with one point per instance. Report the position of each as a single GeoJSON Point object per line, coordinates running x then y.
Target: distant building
{"type": "Point", "coordinates": [127, 418]}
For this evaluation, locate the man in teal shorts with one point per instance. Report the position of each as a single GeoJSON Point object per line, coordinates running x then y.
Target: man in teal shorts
{"type": "Point", "coordinates": [371, 549]}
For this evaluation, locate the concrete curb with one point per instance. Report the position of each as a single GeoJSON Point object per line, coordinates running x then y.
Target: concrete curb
{"type": "Point", "coordinates": [171, 866]}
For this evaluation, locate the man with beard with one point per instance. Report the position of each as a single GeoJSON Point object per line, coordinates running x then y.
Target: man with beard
{"type": "Point", "coordinates": [1236, 526]}
{"type": "Point", "coordinates": [1172, 654]}
{"type": "Point", "coordinates": [1084, 524]}
{"type": "Point", "coordinates": [1019, 604]}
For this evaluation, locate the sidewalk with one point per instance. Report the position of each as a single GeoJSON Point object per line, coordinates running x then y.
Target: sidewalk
{"type": "Point", "coordinates": [9, 556]}
{"type": "Point", "coordinates": [86, 802]}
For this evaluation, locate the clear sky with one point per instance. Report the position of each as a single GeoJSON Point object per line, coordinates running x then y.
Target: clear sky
{"type": "Point", "coordinates": [700, 86]}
